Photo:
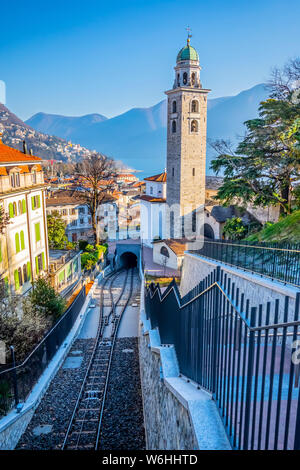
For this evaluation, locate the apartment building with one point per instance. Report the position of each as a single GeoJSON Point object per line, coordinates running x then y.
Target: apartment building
{"type": "Point", "coordinates": [24, 242]}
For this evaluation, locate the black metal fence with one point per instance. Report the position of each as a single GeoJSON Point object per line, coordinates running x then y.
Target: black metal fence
{"type": "Point", "coordinates": [240, 353]}
{"type": "Point", "coordinates": [16, 383]}
{"type": "Point", "coordinates": [275, 260]}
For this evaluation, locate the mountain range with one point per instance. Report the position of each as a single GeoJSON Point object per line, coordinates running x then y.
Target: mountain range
{"type": "Point", "coordinates": [138, 136]}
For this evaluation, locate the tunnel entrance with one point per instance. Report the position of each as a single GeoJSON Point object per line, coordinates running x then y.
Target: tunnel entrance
{"type": "Point", "coordinates": [128, 260]}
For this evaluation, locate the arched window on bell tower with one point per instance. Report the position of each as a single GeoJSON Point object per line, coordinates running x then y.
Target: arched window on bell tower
{"type": "Point", "coordinates": [193, 78]}
{"type": "Point", "coordinates": [174, 107]}
{"type": "Point", "coordinates": [185, 78]}
{"type": "Point", "coordinates": [173, 127]}
{"type": "Point", "coordinates": [178, 79]}
{"type": "Point", "coordinates": [194, 126]}
{"type": "Point", "coordinates": [195, 106]}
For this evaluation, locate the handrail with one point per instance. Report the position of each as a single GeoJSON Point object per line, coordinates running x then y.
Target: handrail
{"type": "Point", "coordinates": [245, 321]}
{"type": "Point", "coordinates": [45, 337]}
{"type": "Point", "coordinates": [263, 247]}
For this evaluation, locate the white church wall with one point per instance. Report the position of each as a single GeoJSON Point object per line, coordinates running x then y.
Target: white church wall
{"type": "Point", "coordinates": [171, 262]}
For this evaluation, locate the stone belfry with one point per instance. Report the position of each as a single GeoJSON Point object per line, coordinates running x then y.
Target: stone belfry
{"type": "Point", "coordinates": [186, 137]}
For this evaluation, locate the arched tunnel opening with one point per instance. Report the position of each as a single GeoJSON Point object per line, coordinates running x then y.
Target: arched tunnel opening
{"type": "Point", "coordinates": [128, 260]}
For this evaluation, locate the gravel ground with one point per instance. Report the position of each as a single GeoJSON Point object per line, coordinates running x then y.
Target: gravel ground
{"type": "Point", "coordinates": [123, 421]}
{"type": "Point", "coordinates": [52, 416]}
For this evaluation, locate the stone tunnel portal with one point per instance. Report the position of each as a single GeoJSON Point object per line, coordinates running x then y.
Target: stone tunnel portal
{"type": "Point", "coordinates": [128, 260]}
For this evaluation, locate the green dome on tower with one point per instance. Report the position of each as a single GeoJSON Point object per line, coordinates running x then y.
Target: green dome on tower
{"type": "Point", "coordinates": [187, 53]}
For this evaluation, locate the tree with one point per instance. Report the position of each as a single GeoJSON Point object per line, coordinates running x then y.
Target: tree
{"type": "Point", "coordinates": [97, 172]}
{"type": "Point", "coordinates": [56, 231]}
{"type": "Point", "coordinates": [45, 299]}
{"type": "Point", "coordinates": [265, 165]}
{"type": "Point", "coordinates": [21, 324]}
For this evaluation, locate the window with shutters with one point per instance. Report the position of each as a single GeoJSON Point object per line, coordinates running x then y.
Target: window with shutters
{"type": "Point", "coordinates": [17, 242]}
{"type": "Point", "coordinates": [20, 276]}
{"type": "Point", "coordinates": [37, 232]}
{"type": "Point", "coordinates": [16, 278]}
{"type": "Point", "coordinates": [35, 202]}
{"type": "Point", "coordinates": [11, 210]}
{"type": "Point", "coordinates": [25, 277]}
{"type": "Point", "coordinates": [22, 240]}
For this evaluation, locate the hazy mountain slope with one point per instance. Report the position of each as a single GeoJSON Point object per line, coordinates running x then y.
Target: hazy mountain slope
{"type": "Point", "coordinates": [138, 137]}
{"type": "Point", "coordinates": [42, 145]}
{"type": "Point", "coordinates": [62, 126]}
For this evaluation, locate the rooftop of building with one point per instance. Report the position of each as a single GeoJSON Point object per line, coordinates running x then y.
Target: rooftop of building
{"type": "Point", "coordinates": [65, 197]}
{"type": "Point", "coordinates": [177, 245]}
{"type": "Point", "coordinates": [187, 53]}
{"type": "Point", "coordinates": [10, 155]}
{"type": "Point", "coordinates": [160, 178]}
{"type": "Point", "coordinates": [147, 198]}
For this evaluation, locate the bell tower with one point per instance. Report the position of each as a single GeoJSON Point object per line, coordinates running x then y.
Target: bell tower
{"type": "Point", "coordinates": [186, 138]}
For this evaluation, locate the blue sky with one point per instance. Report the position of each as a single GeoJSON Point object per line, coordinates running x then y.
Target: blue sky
{"type": "Point", "coordinates": [78, 57]}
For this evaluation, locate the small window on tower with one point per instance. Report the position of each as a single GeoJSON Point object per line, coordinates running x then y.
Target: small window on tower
{"type": "Point", "coordinates": [193, 78]}
{"type": "Point", "coordinates": [173, 127]}
{"type": "Point", "coordinates": [194, 126]}
{"type": "Point", "coordinates": [173, 171]}
{"type": "Point", "coordinates": [193, 171]}
{"type": "Point", "coordinates": [185, 78]}
{"type": "Point", "coordinates": [178, 79]}
{"type": "Point", "coordinates": [195, 106]}
{"type": "Point", "coordinates": [174, 107]}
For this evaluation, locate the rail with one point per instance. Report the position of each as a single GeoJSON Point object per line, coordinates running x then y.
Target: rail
{"type": "Point", "coordinates": [17, 382]}
{"type": "Point", "coordinates": [280, 261]}
{"type": "Point", "coordinates": [245, 356]}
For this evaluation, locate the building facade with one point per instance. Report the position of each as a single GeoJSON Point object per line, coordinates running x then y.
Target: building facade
{"type": "Point", "coordinates": [24, 243]}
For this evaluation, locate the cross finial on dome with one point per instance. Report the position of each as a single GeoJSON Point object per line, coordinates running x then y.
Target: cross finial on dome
{"type": "Point", "coordinates": [189, 35]}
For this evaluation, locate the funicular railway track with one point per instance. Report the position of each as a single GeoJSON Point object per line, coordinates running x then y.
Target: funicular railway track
{"type": "Point", "coordinates": [84, 428]}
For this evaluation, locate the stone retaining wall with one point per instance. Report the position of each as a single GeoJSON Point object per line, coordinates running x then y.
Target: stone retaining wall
{"type": "Point", "coordinates": [168, 425]}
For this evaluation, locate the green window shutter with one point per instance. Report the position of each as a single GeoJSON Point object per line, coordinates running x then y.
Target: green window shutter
{"type": "Point", "coordinates": [37, 232]}
{"type": "Point", "coordinates": [37, 265]}
{"type": "Point", "coordinates": [22, 240]}
{"type": "Point", "coordinates": [17, 242]}
{"type": "Point", "coordinates": [69, 270]}
{"type": "Point", "coordinates": [61, 276]}
{"type": "Point", "coordinates": [17, 281]}
{"type": "Point", "coordinates": [6, 283]}
{"type": "Point", "coordinates": [23, 206]}
{"type": "Point", "coordinates": [43, 258]}
{"type": "Point", "coordinates": [39, 201]}
{"type": "Point", "coordinates": [32, 202]}
{"type": "Point", "coordinates": [28, 270]}
{"type": "Point", "coordinates": [11, 210]}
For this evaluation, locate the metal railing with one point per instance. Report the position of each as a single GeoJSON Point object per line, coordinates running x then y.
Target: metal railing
{"type": "Point", "coordinates": [17, 382]}
{"type": "Point", "coordinates": [244, 355]}
{"type": "Point", "coordinates": [274, 260]}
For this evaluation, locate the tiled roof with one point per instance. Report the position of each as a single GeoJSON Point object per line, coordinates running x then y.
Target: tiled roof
{"type": "Point", "coordinates": [161, 178]}
{"type": "Point", "coordinates": [9, 155]}
{"type": "Point", "coordinates": [151, 198]}
{"type": "Point", "coordinates": [177, 245]}
{"type": "Point", "coordinates": [66, 197]}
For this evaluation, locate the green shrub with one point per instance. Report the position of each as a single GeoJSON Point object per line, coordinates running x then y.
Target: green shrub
{"type": "Point", "coordinates": [82, 244]}
{"type": "Point", "coordinates": [234, 229]}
